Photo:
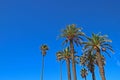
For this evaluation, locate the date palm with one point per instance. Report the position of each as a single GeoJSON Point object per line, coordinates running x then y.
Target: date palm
{"type": "Point", "coordinates": [84, 73]}
{"type": "Point", "coordinates": [72, 35]}
{"type": "Point", "coordinates": [98, 44]}
{"type": "Point", "coordinates": [60, 58]}
{"type": "Point", "coordinates": [43, 49]}
{"type": "Point", "coordinates": [65, 55]}
{"type": "Point", "coordinates": [89, 60]}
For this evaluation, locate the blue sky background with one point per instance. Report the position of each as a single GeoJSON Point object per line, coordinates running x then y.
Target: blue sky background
{"type": "Point", "coordinates": [26, 24]}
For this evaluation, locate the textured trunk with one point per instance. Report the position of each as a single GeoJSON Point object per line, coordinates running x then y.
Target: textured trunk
{"type": "Point", "coordinates": [42, 68]}
{"type": "Point", "coordinates": [68, 69]}
{"type": "Point", "coordinates": [73, 60]}
{"type": "Point", "coordinates": [100, 65]}
{"type": "Point", "coordinates": [93, 75]}
{"type": "Point", "coordinates": [60, 70]}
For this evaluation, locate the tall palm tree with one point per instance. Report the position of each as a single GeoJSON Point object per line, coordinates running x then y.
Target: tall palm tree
{"type": "Point", "coordinates": [59, 58]}
{"type": "Point", "coordinates": [89, 60]}
{"type": "Point", "coordinates": [84, 73]}
{"type": "Point", "coordinates": [65, 55]}
{"type": "Point", "coordinates": [72, 34]}
{"type": "Point", "coordinates": [98, 44]}
{"type": "Point", "coordinates": [43, 49]}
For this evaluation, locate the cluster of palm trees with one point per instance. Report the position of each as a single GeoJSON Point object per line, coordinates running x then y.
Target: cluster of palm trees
{"type": "Point", "coordinates": [92, 52]}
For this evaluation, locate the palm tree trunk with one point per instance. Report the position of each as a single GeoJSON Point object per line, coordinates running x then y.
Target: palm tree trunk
{"type": "Point", "coordinates": [101, 67]}
{"type": "Point", "coordinates": [85, 78]}
{"type": "Point", "coordinates": [68, 69]}
{"type": "Point", "coordinates": [73, 60]}
{"type": "Point", "coordinates": [60, 70]}
{"type": "Point", "coordinates": [42, 67]}
{"type": "Point", "coordinates": [93, 75]}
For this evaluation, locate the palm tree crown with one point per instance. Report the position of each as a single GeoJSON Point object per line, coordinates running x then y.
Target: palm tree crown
{"type": "Point", "coordinates": [84, 73]}
{"type": "Point", "coordinates": [59, 55]}
{"type": "Point", "coordinates": [65, 54]}
{"type": "Point", "coordinates": [44, 48]}
{"type": "Point", "coordinates": [72, 33]}
{"type": "Point", "coordinates": [97, 42]}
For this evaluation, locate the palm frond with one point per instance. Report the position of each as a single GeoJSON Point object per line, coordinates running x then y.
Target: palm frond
{"type": "Point", "coordinates": [65, 42]}
{"type": "Point", "coordinates": [107, 53]}
{"type": "Point", "coordinates": [109, 48]}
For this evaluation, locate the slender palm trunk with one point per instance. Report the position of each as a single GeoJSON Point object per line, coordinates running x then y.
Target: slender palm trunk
{"type": "Point", "coordinates": [85, 78]}
{"type": "Point", "coordinates": [60, 70]}
{"type": "Point", "coordinates": [68, 69]}
{"type": "Point", "coordinates": [101, 68]}
{"type": "Point", "coordinates": [93, 74]}
{"type": "Point", "coordinates": [42, 67]}
{"type": "Point", "coordinates": [73, 60]}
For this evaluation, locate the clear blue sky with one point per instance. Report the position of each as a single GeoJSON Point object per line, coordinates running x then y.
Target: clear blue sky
{"type": "Point", "coordinates": [26, 24]}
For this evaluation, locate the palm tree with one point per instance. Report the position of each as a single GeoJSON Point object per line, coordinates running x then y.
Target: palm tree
{"type": "Point", "coordinates": [43, 49]}
{"type": "Point", "coordinates": [65, 55]}
{"type": "Point", "coordinates": [72, 34]}
{"type": "Point", "coordinates": [59, 58]}
{"type": "Point", "coordinates": [89, 60]}
{"type": "Point", "coordinates": [98, 44]}
{"type": "Point", "coordinates": [84, 73]}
